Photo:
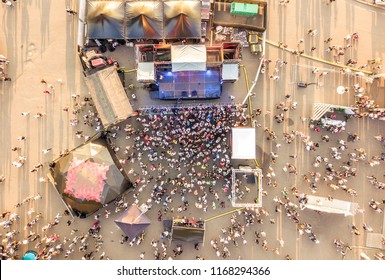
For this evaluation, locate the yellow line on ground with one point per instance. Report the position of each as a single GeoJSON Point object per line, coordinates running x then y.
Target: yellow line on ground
{"type": "Point", "coordinates": [248, 88]}
{"type": "Point", "coordinates": [127, 71]}
{"type": "Point", "coordinates": [223, 214]}
{"type": "Point", "coordinates": [249, 100]}
{"type": "Point", "coordinates": [319, 59]}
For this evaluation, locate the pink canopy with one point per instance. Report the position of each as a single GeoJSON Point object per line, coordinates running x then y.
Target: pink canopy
{"type": "Point", "coordinates": [85, 180]}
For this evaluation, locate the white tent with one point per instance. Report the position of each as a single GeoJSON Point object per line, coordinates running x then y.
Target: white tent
{"type": "Point", "coordinates": [336, 206]}
{"type": "Point", "coordinates": [230, 71]}
{"type": "Point", "coordinates": [108, 94]}
{"type": "Point", "coordinates": [243, 143]}
{"type": "Point", "coordinates": [188, 58]}
{"type": "Point", "coordinates": [145, 72]}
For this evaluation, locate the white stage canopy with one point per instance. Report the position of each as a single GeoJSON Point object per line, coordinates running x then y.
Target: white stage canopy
{"type": "Point", "coordinates": [335, 206]}
{"type": "Point", "coordinates": [243, 143]}
{"type": "Point", "coordinates": [188, 58]}
{"type": "Point", "coordinates": [230, 71]}
{"type": "Point", "coordinates": [145, 72]}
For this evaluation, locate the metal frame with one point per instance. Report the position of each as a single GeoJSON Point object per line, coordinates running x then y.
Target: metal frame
{"type": "Point", "coordinates": [256, 172]}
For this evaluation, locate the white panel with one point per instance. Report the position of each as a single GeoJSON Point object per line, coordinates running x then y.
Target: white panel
{"type": "Point", "coordinates": [230, 71]}
{"type": "Point", "coordinates": [336, 206]}
{"type": "Point", "coordinates": [243, 143]}
{"type": "Point", "coordinates": [146, 71]}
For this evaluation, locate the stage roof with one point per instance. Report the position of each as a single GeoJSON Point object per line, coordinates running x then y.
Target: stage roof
{"type": "Point", "coordinates": [188, 58]}
{"type": "Point", "coordinates": [144, 20]}
{"type": "Point", "coordinates": [108, 94]}
{"type": "Point", "coordinates": [243, 143]}
{"type": "Point", "coordinates": [105, 19]}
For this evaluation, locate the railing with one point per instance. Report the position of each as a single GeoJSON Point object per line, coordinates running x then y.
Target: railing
{"type": "Point", "coordinates": [153, 109]}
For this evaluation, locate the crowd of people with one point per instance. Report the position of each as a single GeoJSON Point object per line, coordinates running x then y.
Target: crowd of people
{"type": "Point", "coordinates": [183, 155]}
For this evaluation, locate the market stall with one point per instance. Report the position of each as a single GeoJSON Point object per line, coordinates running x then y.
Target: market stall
{"type": "Point", "coordinates": [189, 230]}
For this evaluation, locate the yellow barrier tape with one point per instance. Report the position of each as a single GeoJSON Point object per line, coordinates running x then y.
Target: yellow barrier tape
{"type": "Point", "coordinates": [127, 71]}
{"type": "Point", "coordinates": [249, 101]}
{"type": "Point", "coordinates": [223, 214]}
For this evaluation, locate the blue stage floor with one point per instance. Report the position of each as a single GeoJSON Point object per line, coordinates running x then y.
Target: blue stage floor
{"type": "Point", "coordinates": [189, 85]}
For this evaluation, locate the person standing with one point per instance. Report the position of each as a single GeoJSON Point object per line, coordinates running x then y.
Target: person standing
{"type": "Point", "coordinates": [71, 12]}
{"type": "Point", "coordinates": [8, 3]}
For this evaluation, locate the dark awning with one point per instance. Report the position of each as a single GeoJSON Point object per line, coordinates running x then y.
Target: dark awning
{"type": "Point", "coordinates": [105, 19]}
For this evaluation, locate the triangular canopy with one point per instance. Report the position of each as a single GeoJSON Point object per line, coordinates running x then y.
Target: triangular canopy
{"type": "Point", "coordinates": [133, 221]}
{"type": "Point", "coordinates": [89, 177]}
{"type": "Point", "coordinates": [182, 19]}
{"type": "Point", "coordinates": [105, 19]}
{"type": "Point", "coordinates": [144, 20]}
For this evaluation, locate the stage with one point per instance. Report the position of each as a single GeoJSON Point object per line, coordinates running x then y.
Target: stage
{"type": "Point", "coordinates": [189, 84]}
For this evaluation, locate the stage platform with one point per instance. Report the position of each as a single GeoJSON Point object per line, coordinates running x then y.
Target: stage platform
{"type": "Point", "coordinates": [189, 85]}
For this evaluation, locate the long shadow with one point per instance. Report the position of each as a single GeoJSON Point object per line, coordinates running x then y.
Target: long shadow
{"type": "Point", "coordinates": [10, 30]}
{"type": "Point", "coordinates": [377, 33]}
{"type": "Point", "coordinates": [44, 24]}
{"type": "Point", "coordinates": [71, 55]}
{"type": "Point", "coordinates": [6, 98]}
{"type": "Point", "coordinates": [303, 14]}
{"type": "Point", "coordinates": [24, 33]}
{"type": "Point", "coordinates": [7, 90]}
